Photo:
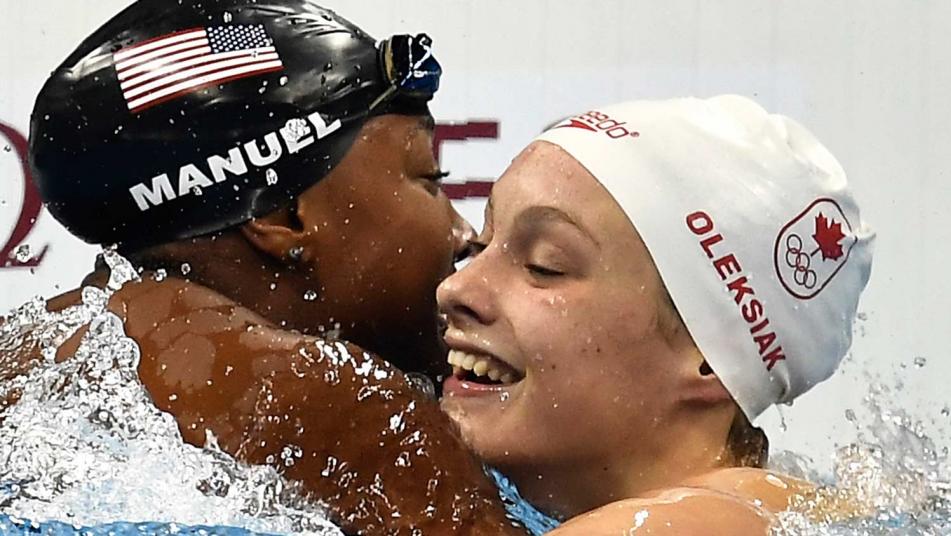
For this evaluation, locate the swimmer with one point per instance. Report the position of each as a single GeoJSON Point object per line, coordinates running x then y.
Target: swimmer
{"type": "Point", "coordinates": [651, 277]}
{"type": "Point", "coordinates": [268, 168]}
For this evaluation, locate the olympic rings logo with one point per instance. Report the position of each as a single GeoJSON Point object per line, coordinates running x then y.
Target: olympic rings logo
{"type": "Point", "coordinates": [800, 262]}
{"type": "Point", "coordinates": [812, 248]}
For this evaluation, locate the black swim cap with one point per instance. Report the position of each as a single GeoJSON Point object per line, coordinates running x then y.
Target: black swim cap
{"type": "Point", "coordinates": [176, 119]}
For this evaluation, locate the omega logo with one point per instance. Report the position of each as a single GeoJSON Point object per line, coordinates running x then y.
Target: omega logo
{"type": "Point", "coordinates": [29, 209]}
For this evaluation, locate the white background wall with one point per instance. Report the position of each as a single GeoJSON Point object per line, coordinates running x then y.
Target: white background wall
{"type": "Point", "coordinates": [870, 77]}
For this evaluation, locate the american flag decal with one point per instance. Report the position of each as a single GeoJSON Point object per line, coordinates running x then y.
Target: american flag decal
{"type": "Point", "coordinates": [173, 65]}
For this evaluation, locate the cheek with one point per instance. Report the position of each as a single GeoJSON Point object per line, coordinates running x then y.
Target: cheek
{"type": "Point", "coordinates": [432, 223]}
{"type": "Point", "coordinates": [418, 229]}
{"type": "Point", "coordinates": [587, 354]}
{"type": "Point", "coordinates": [579, 327]}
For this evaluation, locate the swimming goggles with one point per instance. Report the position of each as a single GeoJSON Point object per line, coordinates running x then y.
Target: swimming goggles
{"type": "Point", "coordinates": [409, 68]}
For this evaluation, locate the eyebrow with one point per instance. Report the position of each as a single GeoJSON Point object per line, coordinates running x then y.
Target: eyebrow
{"type": "Point", "coordinates": [545, 214]}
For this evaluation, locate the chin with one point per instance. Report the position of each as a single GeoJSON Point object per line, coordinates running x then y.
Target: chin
{"type": "Point", "coordinates": [474, 434]}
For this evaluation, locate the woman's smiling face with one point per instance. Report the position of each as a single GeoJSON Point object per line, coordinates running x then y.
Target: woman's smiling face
{"type": "Point", "coordinates": [562, 304]}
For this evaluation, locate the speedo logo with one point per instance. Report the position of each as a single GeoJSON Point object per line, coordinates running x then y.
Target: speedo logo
{"type": "Point", "coordinates": [191, 179]}
{"type": "Point", "coordinates": [600, 122]}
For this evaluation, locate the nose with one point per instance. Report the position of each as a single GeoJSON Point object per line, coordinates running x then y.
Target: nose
{"type": "Point", "coordinates": [462, 234]}
{"type": "Point", "coordinates": [468, 297]}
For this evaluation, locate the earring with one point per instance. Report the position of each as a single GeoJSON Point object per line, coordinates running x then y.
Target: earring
{"type": "Point", "coordinates": [296, 254]}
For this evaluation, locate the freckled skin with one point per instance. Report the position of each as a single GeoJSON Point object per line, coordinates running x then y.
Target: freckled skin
{"type": "Point", "coordinates": [612, 417]}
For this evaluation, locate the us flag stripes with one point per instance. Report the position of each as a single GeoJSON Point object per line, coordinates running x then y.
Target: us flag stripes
{"type": "Point", "coordinates": [172, 65]}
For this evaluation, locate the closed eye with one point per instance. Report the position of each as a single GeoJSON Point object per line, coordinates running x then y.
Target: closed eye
{"type": "Point", "coordinates": [542, 271]}
{"type": "Point", "coordinates": [436, 177]}
{"type": "Point", "coordinates": [433, 181]}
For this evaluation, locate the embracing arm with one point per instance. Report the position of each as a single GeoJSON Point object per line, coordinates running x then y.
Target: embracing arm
{"type": "Point", "coordinates": [342, 423]}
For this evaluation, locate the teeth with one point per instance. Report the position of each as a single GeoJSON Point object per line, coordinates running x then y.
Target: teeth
{"type": "Point", "coordinates": [482, 366]}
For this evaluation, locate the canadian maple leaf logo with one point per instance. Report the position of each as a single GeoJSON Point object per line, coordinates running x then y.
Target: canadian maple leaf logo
{"type": "Point", "coordinates": [828, 236]}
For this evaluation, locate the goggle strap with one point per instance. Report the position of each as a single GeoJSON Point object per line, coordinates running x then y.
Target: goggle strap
{"type": "Point", "coordinates": [386, 94]}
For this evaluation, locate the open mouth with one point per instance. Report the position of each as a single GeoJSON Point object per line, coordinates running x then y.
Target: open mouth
{"type": "Point", "coordinates": [482, 369]}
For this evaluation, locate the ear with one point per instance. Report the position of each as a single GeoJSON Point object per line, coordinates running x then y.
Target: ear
{"type": "Point", "coordinates": [275, 234]}
{"type": "Point", "coordinates": [702, 386]}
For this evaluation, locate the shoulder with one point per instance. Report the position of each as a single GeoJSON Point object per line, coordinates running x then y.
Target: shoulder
{"type": "Point", "coordinates": [731, 501]}
{"type": "Point", "coordinates": [770, 490]}
{"type": "Point", "coordinates": [676, 511]}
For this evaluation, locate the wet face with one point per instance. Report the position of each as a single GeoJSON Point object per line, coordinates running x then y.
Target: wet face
{"type": "Point", "coordinates": [380, 236]}
{"type": "Point", "coordinates": [562, 306]}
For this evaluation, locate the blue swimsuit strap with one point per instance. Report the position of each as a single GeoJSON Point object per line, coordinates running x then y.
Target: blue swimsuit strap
{"type": "Point", "coordinates": [536, 521]}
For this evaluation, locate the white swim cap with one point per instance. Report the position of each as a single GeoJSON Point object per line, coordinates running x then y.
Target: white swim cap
{"type": "Point", "coordinates": [752, 228]}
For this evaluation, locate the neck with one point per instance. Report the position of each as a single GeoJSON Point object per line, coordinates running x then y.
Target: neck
{"type": "Point", "coordinates": [675, 455]}
{"type": "Point", "coordinates": [277, 293]}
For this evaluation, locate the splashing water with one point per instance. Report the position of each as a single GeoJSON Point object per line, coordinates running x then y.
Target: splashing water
{"type": "Point", "coordinates": [891, 481]}
{"type": "Point", "coordinates": [84, 444]}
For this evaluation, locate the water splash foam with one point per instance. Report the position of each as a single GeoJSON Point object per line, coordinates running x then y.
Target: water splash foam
{"type": "Point", "coordinates": [892, 481]}
{"type": "Point", "coordinates": [85, 445]}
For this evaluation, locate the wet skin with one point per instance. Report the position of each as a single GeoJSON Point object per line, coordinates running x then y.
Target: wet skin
{"type": "Point", "coordinates": [372, 446]}
{"type": "Point", "coordinates": [375, 237]}
{"type": "Point", "coordinates": [228, 353]}
{"type": "Point", "coordinates": [603, 415]}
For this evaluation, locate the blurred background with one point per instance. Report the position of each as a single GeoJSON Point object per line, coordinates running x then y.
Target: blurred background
{"type": "Point", "coordinates": [871, 78]}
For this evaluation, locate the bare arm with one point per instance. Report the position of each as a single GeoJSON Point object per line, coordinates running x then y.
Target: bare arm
{"type": "Point", "coordinates": [342, 423]}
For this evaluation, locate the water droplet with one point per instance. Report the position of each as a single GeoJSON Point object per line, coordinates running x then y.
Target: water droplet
{"type": "Point", "coordinates": [173, 397]}
{"type": "Point", "coordinates": [171, 121]}
{"type": "Point", "coordinates": [283, 80]}
{"type": "Point", "coordinates": [227, 17]}
{"type": "Point", "coordinates": [160, 275]}
{"type": "Point", "coordinates": [920, 361]}
{"type": "Point", "coordinates": [271, 177]}
{"type": "Point", "coordinates": [22, 253]}
{"type": "Point", "coordinates": [296, 253]}
{"type": "Point", "coordinates": [327, 67]}
{"type": "Point", "coordinates": [198, 191]}
{"type": "Point", "coordinates": [850, 415]}
{"type": "Point", "coordinates": [310, 295]}
{"type": "Point", "coordinates": [186, 268]}
{"type": "Point", "coordinates": [295, 129]}
{"type": "Point", "coordinates": [946, 412]}
{"type": "Point", "coordinates": [421, 383]}
{"type": "Point", "coordinates": [7, 148]}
